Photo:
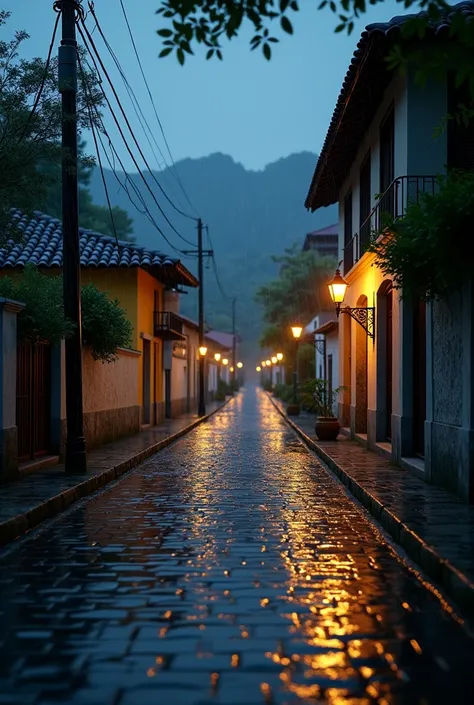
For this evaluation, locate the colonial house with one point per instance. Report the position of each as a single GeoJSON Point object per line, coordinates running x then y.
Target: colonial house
{"type": "Point", "coordinates": [322, 332]}
{"type": "Point", "coordinates": [181, 359]}
{"type": "Point", "coordinates": [407, 366]}
{"type": "Point", "coordinates": [324, 241]}
{"type": "Point", "coordinates": [121, 397]}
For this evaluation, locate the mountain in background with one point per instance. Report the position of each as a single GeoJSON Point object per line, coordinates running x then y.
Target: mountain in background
{"type": "Point", "coordinates": [251, 215]}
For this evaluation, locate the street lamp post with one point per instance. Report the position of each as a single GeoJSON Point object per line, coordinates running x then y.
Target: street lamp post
{"type": "Point", "coordinates": [202, 362]}
{"type": "Point", "coordinates": [217, 358]}
{"type": "Point", "coordinates": [279, 359]}
{"type": "Point", "coordinates": [294, 408]}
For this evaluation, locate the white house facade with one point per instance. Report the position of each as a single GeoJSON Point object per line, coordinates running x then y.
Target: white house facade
{"type": "Point", "coordinates": [409, 373]}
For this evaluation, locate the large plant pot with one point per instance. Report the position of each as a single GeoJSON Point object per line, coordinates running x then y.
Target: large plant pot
{"type": "Point", "coordinates": [327, 428]}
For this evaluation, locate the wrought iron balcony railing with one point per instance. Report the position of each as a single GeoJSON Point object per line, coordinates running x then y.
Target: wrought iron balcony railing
{"type": "Point", "coordinates": [168, 326]}
{"type": "Point", "coordinates": [391, 205]}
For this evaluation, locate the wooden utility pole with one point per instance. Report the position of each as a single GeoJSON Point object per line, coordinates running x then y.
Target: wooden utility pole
{"type": "Point", "coordinates": [234, 343]}
{"type": "Point", "coordinates": [75, 441]}
{"type": "Point", "coordinates": [202, 358]}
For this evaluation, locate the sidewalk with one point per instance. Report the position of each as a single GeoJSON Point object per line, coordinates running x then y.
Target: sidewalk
{"type": "Point", "coordinates": [434, 527]}
{"type": "Point", "coordinates": [26, 503]}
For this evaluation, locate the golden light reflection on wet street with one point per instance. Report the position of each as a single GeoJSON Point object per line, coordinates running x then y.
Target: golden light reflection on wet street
{"type": "Point", "coordinates": [229, 569]}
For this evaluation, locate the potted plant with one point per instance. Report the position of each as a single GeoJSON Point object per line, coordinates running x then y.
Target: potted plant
{"type": "Point", "coordinates": [316, 396]}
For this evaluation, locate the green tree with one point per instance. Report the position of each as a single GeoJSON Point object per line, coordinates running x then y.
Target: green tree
{"type": "Point", "coordinates": [105, 326]}
{"type": "Point", "coordinates": [30, 140]}
{"type": "Point", "coordinates": [208, 22]}
{"type": "Point", "coordinates": [299, 293]}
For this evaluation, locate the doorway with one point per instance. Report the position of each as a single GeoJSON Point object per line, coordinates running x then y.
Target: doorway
{"type": "Point", "coordinates": [361, 374]}
{"type": "Point", "coordinates": [33, 400]}
{"type": "Point", "coordinates": [419, 378]}
{"type": "Point", "coordinates": [146, 381]}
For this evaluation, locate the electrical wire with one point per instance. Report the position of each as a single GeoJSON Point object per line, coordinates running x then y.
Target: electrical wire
{"type": "Point", "coordinates": [116, 155]}
{"type": "Point", "coordinates": [155, 109]}
{"type": "Point", "coordinates": [45, 76]}
{"type": "Point", "coordinates": [147, 131]}
{"type": "Point", "coordinates": [117, 123]}
{"type": "Point", "coordinates": [99, 159]}
{"type": "Point", "coordinates": [215, 268]}
{"type": "Point", "coordinates": [127, 122]}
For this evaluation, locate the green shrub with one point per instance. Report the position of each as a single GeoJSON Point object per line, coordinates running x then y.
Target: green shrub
{"type": "Point", "coordinates": [105, 327]}
{"type": "Point", "coordinates": [421, 250]}
{"type": "Point", "coordinates": [283, 392]}
{"type": "Point", "coordinates": [223, 390]}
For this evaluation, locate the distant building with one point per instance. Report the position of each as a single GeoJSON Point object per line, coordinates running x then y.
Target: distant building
{"type": "Point", "coordinates": [324, 241]}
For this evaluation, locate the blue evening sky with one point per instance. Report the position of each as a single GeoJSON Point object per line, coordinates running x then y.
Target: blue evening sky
{"type": "Point", "coordinates": [246, 107]}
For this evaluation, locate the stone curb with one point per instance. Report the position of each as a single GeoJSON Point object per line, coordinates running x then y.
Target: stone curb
{"type": "Point", "coordinates": [457, 586]}
{"type": "Point", "coordinates": [22, 523]}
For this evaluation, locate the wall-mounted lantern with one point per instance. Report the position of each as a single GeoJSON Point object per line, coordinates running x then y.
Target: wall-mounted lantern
{"type": "Point", "coordinates": [365, 317]}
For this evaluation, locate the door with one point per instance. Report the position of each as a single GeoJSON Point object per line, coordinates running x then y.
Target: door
{"type": "Point", "coordinates": [419, 378]}
{"type": "Point", "coordinates": [365, 202]}
{"type": "Point", "coordinates": [155, 376]}
{"type": "Point", "coordinates": [33, 400]}
{"type": "Point", "coordinates": [146, 381]}
{"type": "Point", "coordinates": [387, 162]}
{"type": "Point", "coordinates": [388, 369]}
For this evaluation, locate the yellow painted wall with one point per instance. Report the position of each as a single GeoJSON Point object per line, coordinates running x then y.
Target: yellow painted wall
{"type": "Point", "coordinates": [121, 284]}
{"type": "Point", "coordinates": [365, 279]}
{"type": "Point", "coordinates": [112, 385]}
{"type": "Point", "coordinates": [147, 286]}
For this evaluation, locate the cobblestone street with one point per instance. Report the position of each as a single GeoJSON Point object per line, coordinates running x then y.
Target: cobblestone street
{"type": "Point", "coordinates": [230, 568]}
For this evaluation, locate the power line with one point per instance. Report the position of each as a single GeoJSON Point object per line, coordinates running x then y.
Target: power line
{"type": "Point", "coordinates": [91, 120]}
{"type": "Point", "coordinates": [126, 143]}
{"type": "Point", "coordinates": [155, 109]}
{"type": "Point", "coordinates": [147, 131]}
{"type": "Point", "coordinates": [116, 155]}
{"type": "Point", "coordinates": [214, 267]}
{"type": "Point", "coordinates": [178, 210]}
{"type": "Point", "coordinates": [45, 76]}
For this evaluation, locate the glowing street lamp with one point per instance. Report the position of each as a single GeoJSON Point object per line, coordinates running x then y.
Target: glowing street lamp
{"type": "Point", "coordinates": [225, 362]}
{"type": "Point", "coordinates": [264, 364]}
{"type": "Point", "coordinates": [217, 357]}
{"type": "Point", "coordinates": [294, 409]}
{"type": "Point", "coordinates": [274, 360]}
{"type": "Point", "coordinates": [240, 365]}
{"type": "Point", "coordinates": [296, 330]}
{"type": "Point", "coordinates": [337, 289]}
{"type": "Point", "coordinates": [203, 351]}
{"type": "Point", "coordinates": [364, 316]}
{"type": "Point", "coordinates": [258, 368]}
{"type": "Point", "coordinates": [279, 357]}
{"type": "Point", "coordinates": [269, 362]}
{"type": "Point", "coordinates": [231, 369]}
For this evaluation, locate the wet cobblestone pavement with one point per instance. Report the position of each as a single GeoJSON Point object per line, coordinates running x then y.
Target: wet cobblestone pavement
{"type": "Point", "coordinates": [232, 569]}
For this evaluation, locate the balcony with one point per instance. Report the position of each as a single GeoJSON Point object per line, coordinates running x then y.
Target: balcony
{"type": "Point", "coordinates": [392, 205]}
{"type": "Point", "coordinates": [168, 326]}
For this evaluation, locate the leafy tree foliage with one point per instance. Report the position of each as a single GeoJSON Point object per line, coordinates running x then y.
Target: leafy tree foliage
{"type": "Point", "coordinates": [299, 293]}
{"type": "Point", "coordinates": [208, 22]}
{"type": "Point", "coordinates": [417, 250]}
{"type": "Point", "coordinates": [105, 327]}
{"type": "Point", "coordinates": [30, 140]}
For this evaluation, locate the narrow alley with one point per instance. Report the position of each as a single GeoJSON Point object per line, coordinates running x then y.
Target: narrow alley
{"type": "Point", "coordinates": [231, 568]}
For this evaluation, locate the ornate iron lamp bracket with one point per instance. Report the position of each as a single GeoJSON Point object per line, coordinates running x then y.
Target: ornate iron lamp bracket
{"type": "Point", "coordinates": [365, 317]}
